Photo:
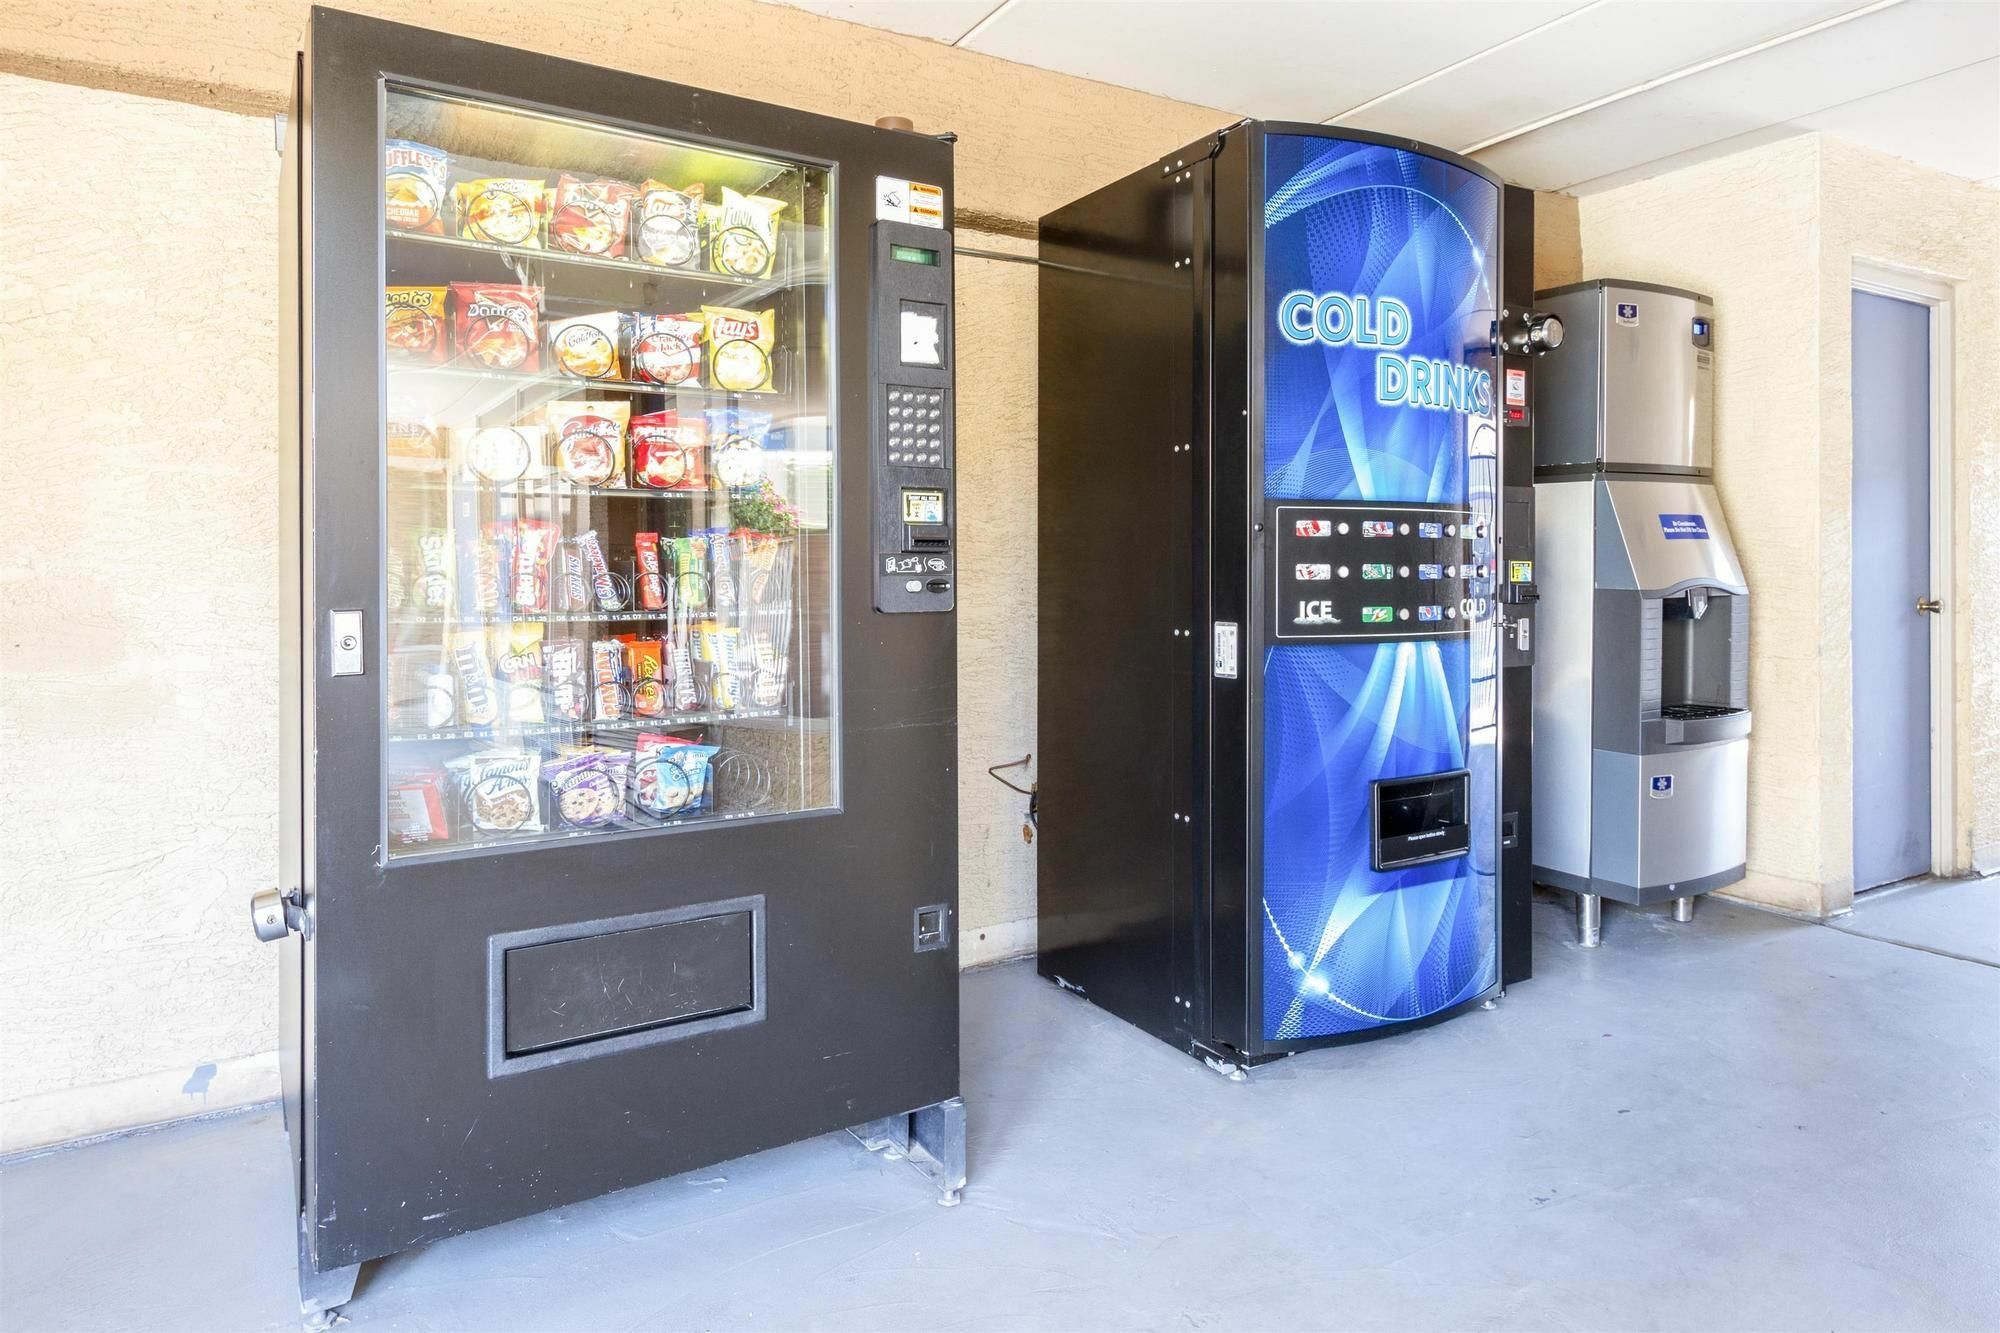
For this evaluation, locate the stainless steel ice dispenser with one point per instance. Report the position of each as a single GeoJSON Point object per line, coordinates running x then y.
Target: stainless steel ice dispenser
{"type": "Point", "coordinates": [1642, 707]}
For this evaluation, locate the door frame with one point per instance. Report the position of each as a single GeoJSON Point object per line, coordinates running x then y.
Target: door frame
{"type": "Point", "coordinates": [1936, 295]}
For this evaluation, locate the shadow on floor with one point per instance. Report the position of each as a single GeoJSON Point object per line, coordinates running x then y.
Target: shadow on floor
{"type": "Point", "coordinates": [1741, 1123]}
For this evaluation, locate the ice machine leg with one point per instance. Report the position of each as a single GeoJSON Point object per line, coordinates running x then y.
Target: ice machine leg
{"type": "Point", "coordinates": [1589, 920]}
{"type": "Point", "coordinates": [1684, 909]}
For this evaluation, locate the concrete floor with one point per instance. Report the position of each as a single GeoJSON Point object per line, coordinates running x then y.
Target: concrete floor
{"type": "Point", "coordinates": [1749, 1122]}
{"type": "Point", "coordinates": [1959, 917]}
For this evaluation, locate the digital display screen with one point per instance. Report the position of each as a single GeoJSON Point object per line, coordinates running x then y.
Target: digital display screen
{"type": "Point", "coordinates": [914, 254]}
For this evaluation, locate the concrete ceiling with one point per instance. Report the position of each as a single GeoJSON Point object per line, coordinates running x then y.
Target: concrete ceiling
{"type": "Point", "coordinates": [1576, 95]}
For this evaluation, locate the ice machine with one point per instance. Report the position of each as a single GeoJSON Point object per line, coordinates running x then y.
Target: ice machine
{"type": "Point", "coordinates": [1642, 687]}
{"type": "Point", "coordinates": [1287, 590]}
{"type": "Point", "coordinates": [619, 828]}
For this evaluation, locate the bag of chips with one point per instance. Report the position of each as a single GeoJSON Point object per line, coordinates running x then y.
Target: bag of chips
{"type": "Point", "coordinates": [498, 326]}
{"type": "Point", "coordinates": [502, 790]}
{"type": "Point", "coordinates": [740, 343]}
{"type": "Point", "coordinates": [745, 238]}
{"type": "Point", "coordinates": [517, 665]}
{"type": "Point", "coordinates": [665, 349]}
{"type": "Point", "coordinates": [502, 454]}
{"type": "Point", "coordinates": [736, 440]}
{"type": "Point", "coordinates": [413, 182]}
{"type": "Point", "coordinates": [413, 327]}
{"type": "Point", "coordinates": [589, 217]}
{"type": "Point", "coordinates": [586, 346]}
{"type": "Point", "coordinates": [589, 440]}
{"type": "Point", "coordinates": [500, 209]}
{"type": "Point", "coordinates": [666, 225]}
{"type": "Point", "coordinates": [667, 451]}
{"type": "Point", "coordinates": [413, 446]}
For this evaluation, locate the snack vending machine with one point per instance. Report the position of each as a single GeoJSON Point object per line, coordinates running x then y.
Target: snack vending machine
{"type": "Point", "coordinates": [1287, 590]}
{"type": "Point", "coordinates": [619, 830]}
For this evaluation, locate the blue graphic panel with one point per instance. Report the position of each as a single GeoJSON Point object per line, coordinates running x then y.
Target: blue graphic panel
{"type": "Point", "coordinates": [1380, 297]}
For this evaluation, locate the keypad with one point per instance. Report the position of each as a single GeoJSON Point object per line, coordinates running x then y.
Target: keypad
{"type": "Point", "coordinates": [916, 435]}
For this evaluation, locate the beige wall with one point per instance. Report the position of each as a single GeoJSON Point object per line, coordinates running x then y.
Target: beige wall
{"type": "Point", "coordinates": [140, 650]}
{"type": "Point", "coordinates": [1772, 234]}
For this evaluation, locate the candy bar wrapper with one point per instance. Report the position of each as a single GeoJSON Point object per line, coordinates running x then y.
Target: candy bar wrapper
{"type": "Point", "coordinates": [487, 556]}
{"type": "Point", "coordinates": [686, 697]}
{"type": "Point", "coordinates": [589, 440]}
{"type": "Point", "coordinates": [500, 210]}
{"type": "Point", "coordinates": [590, 217]}
{"type": "Point", "coordinates": [413, 185]}
{"type": "Point", "coordinates": [502, 790]}
{"type": "Point", "coordinates": [435, 567]}
{"type": "Point", "coordinates": [722, 563]}
{"type": "Point", "coordinates": [498, 327]}
{"type": "Point", "coordinates": [770, 673]}
{"type": "Point", "coordinates": [478, 697]}
{"type": "Point", "coordinates": [740, 344]}
{"type": "Point", "coordinates": [644, 668]}
{"type": "Point", "coordinates": [417, 808]}
{"type": "Point", "coordinates": [534, 548]}
{"type": "Point", "coordinates": [650, 586]}
{"type": "Point", "coordinates": [573, 580]}
{"type": "Point", "coordinates": [413, 324]}
{"type": "Point", "coordinates": [728, 677]}
{"type": "Point", "coordinates": [518, 664]}
{"type": "Point", "coordinates": [689, 560]}
{"type": "Point", "coordinates": [566, 678]}
{"type": "Point", "coordinates": [607, 660]}
{"type": "Point", "coordinates": [586, 346]}
{"type": "Point", "coordinates": [665, 349]}
{"type": "Point", "coordinates": [601, 582]}
{"type": "Point", "coordinates": [666, 225]}
{"type": "Point", "coordinates": [745, 239]}
{"type": "Point", "coordinates": [736, 440]}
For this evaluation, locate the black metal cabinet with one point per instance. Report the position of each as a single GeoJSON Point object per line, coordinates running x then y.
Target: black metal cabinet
{"type": "Point", "coordinates": [613, 803]}
{"type": "Point", "coordinates": [1278, 803]}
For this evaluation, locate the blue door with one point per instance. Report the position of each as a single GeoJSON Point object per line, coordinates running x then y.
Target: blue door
{"type": "Point", "coordinates": [1891, 657]}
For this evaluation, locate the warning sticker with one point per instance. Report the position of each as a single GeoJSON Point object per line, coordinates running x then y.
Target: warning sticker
{"type": "Point", "coordinates": [1517, 387]}
{"type": "Point", "coordinates": [899, 200]}
{"type": "Point", "coordinates": [926, 205]}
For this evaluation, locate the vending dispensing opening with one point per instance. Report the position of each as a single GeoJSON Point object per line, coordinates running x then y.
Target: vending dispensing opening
{"type": "Point", "coordinates": [1416, 820]}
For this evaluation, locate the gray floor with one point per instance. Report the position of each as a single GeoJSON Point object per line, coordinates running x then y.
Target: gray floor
{"type": "Point", "coordinates": [1748, 1122]}
{"type": "Point", "coordinates": [1958, 917]}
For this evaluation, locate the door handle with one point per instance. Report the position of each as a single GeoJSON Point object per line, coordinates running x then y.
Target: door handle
{"type": "Point", "coordinates": [274, 915]}
{"type": "Point", "coordinates": [1929, 606]}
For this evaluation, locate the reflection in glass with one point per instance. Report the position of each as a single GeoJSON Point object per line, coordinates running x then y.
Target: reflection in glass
{"type": "Point", "coordinates": [608, 480]}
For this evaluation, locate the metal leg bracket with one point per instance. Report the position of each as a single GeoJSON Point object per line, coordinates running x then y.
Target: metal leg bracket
{"type": "Point", "coordinates": [931, 1137]}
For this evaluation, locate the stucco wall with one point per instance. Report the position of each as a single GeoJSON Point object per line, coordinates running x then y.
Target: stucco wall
{"type": "Point", "coordinates": [1772, 233]}
{"type": "Point", "coordinates": [138, 809]}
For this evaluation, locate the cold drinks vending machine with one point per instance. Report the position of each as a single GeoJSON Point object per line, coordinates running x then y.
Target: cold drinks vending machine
{"type": "Point", "coordinates": [619, 819]}
{"type": "Point", "coordinates": [1287, 585]}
